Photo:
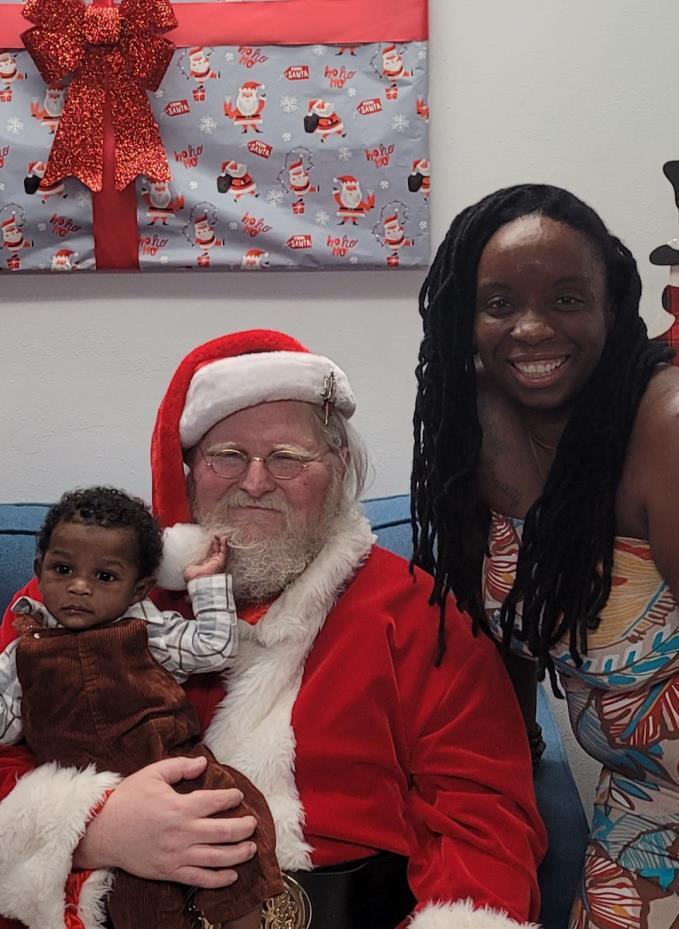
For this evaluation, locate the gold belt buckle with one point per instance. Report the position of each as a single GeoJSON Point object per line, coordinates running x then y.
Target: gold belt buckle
{"type": "Point", "coordinates": [289, 910]}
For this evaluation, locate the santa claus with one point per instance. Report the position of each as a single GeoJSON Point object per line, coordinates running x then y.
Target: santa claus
{"type": "Point", "coordinates": [236, 180]}
{"type": "Point", "coordinates": [392, 65]}
{"type": "Point", "coordinates": [160, 204]}
{"type": "Point", "coordinates": [352, 205]}
{"type": "Point", "coordinates": [13, 235]}
{"type": "Point", "coordinates": [64, 260]}
{"type": "Point", "coordinates": [9, 72]}
{"type": "Point", "coordinates": [204, 234]}
{"type": "Point", "coordinates": [200, 69]}
{"type": "Point", "coordinates": [255, 259]}
{"type": "Point", "coordinates": [323, 120]}
{"type": "Point", "coordinates": [52, 107]}
{"type": "Point", "coordinates": [394, 234]}
{"type": "Point", "coordinates": [33, 182]}
{"type": "Point", "coordinates": [250, 103]}
{"type": "Point", "coordinates": [420, 177]}
{"type": "Point", "coordinates": [299, 179]}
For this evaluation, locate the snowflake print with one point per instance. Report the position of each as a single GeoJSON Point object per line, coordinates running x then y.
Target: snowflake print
{"type": "Point", "coordinates": [275, 197]}
{"type": "Point", "coordinates": [82, 200]}
{"type": "Point", "coordinates": [344, 153]}
{"type": "Point", "coordinates": [351, 92]}
{"type": "Point", "coordinates": [233, 226]}
{"type": "Point", "coordinates": [14, 125]}
{"type": "Point", "coordinates": [229, 56]}
{"type": "Point", "coordinates": [287, 137]}
{"type": "Point", "coordinates": [193, 185]}
{"type": "Point", "coordinates": [163, 259]}
{"type": "Point", "coordinates": [424, 225]}
{"type": "Point", "coordinates": [207, 124]}
{"type": "Point", "coordinates": [353, 260]}
{"type": "Point", "coordinates": [318, 50]}
{"type": "Point", "coordinates": [2, 186]}
{"type": "Point", "coordinates": [422, 54]}
{"type": "Point", "coordinates": [321, 218]}
{"type": "Point", "coordinates": [42, 227]}
{"type": "Point", "coordinates": [400, 122]}
{"type": "Point", "coordinates": [384, 184]}
{"type": "Point", "coordinates": [159, 94]}
{"type": "Point", "coordinates": [289, 104]}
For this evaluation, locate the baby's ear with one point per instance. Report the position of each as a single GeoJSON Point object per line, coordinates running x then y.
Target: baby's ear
{"type": "Point", "coordinates": [142, 588]}
{"type": "Point", "coordinates": [37, 567]}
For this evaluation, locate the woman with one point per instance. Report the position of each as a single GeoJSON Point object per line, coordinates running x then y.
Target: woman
{"type": "Point", "coordinates": [547, 439]}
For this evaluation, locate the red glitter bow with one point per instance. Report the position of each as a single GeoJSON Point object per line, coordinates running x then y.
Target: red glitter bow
{"type": "Point", "coordinates": [115, 55]}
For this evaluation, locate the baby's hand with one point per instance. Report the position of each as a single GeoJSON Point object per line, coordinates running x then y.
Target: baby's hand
{"type": "Point", "coordinates": [213, 563]}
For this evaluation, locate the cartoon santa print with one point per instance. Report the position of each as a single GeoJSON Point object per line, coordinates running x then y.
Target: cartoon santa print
{"type": "Point", "coordinates": [255, 259]}
{"type": "Point", "coordinates": [9, 71]}
{"type": "Point", "coordinates": [204, 233]}
{"type": "Point", "coordinates": [52, 107]}
{"type": "Point", "coordinates": [13, 239]}
{"type": "Point", "coordinates": [323, 120]}
{"type": "Point", "coordinates": [200, 231]}
{"type": "Point", "coordinates": [33, 183]}
{"type": "Point", "coordinates": [419, 178]}
{"type": "Point", "coordinates": [64, 260]}
{"type": "Point", "coordinates": [199, 69]}
{"type": "Point", "coordinates": [422, 109]}
{"type": "Point", "coordinates": [394, 234]}
{"type": "Point", "coordinates": [352, 205]}
{"type": "Point", "coordinates": [236, 180]}
{"type": "Point", "coordinates": [299, 179]}
{"type": "Point", "coordinates": [392, 65]}
{"type": "Point", "coordinates": [250, 103]}
{"type": "Point", "coordinates": [160, 203]}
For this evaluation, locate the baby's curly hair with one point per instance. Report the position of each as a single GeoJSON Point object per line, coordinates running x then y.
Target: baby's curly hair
{"type": "Point", "coordinates": [109, 508]}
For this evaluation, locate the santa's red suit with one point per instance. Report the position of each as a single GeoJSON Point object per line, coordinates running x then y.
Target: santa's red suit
{"type": "Point", "coordinates": [427, 762]}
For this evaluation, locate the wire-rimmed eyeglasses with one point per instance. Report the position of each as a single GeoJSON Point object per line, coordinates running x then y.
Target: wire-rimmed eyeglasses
{"type": "Point", "coordinates": [229, 463]}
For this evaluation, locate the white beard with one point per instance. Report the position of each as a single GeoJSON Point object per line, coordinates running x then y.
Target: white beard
{"type": "Point", "coordinates": [247, 105]}
{"type": "Point", "coordinates": [351, 198]}
{"type": "Point", "coordinates": [261, 568]}
{"type": "Point", "coordinates": [160, 199]}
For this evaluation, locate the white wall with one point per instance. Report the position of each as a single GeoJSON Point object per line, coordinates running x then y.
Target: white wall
{"type": "Point", "coordinates": [575, 92]}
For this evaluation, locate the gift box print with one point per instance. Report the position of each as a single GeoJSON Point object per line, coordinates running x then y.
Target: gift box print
{"type": "Point", "coordinates": [281, 154]}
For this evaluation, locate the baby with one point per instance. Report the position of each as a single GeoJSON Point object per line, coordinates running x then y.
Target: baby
{"type": "Point", "coordinates": [94, 678]}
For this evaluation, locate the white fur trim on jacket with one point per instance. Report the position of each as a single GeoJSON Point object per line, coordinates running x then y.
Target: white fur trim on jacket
{"type": "Point", "coordinates": [41, 822]}
{"type": "Point", "coordinates": [252, 729]}
{"type": "Point", "coordinates": [463, 915]}
{"type": "Point", "coordinates": [227, 385]}
{"type": "Point", "coordinates": [183, 544]}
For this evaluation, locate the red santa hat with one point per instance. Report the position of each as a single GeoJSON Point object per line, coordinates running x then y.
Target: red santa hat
{"type": "Point", "coordinates": [251, 85]}
{"type": "Point", "coordinates": [219, 378]}
{"type": "Point", "coordinates": [345, 179]}
{"type": "Point", "coordinates": [10, 221]}
{"type": "Point", "coordinates": [388, 49]}
{"type": "Point", "coordinates": [391, 219]}
{"type": "Point", "coordinates": [200, 219]}
{"type": "Point", "coordinates": [37, 168]}
{"type": "Point", "coordinates": [197, 50]}
{"type": "Point", "coordinates": [64, 253]}
{"type": "Point", "coordinates": [420, 165]}
{"type": "Point", "coordinates": [296, 164]}
{"type": "Point", "coordinates": [317, 102]}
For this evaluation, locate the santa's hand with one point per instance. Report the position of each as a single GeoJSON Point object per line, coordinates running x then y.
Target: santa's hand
{"type": "Point", "coordinates": [155, 833]}
{"type": "Point", "coordinates": [213, 563]}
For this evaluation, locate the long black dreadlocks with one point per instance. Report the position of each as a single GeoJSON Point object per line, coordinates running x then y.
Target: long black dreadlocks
{"type": "Point", "coordinates": [564, 568]}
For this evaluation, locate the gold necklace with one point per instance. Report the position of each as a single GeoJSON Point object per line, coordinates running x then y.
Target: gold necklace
{"type": "Point", "coordinates": [534, 443]}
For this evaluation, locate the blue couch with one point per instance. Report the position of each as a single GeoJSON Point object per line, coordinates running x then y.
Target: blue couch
{"type": "Point", "coordinates": [557, 795]}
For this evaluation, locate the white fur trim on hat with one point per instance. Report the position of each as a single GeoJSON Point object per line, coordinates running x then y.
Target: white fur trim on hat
{"type": "Point", "coordinates": [41, 822]}
{"type": "Point", "coordinates": [183, 544]}
{"type": "Point", "coordinates": [463, 915]}
{"type": "Point", "coordinates": [223, 387]}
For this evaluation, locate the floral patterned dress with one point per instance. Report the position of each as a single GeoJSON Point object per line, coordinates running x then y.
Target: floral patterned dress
{"type": "Point", "coordinates": [623, 703]}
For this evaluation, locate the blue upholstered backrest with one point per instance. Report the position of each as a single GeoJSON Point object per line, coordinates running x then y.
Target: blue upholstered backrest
{"type": "Point", "coordinates": [557, 795]}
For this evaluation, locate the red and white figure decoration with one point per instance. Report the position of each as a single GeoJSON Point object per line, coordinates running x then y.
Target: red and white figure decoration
{"type": "Point", "coordinates": [247, 111]}
{"type": "Point", "coordinates": [352, 204]}
{"type": "Point", "coordinates": [64, 260]}
{"type": "Point", "coordinates": [419, 178]}
{"type": "Point", "coordinates": [666, 328]}
{"type": "Point", "coordinates": [14, 240]}
{"type": "Point", "coordinates": [200, 231]}
{"type": "Point", "coordinates": [195, 64]}
{"type": "Point", "coordinates": [300, 128]}
{"type": "Point", "coordinates": [322, 120]}
{"type": "Point", "coordinates": [236, 180]}
{"type": "Point", "coordinates": [34, 183]}
{"type": "Point", "coordinates": [391, 232]}
{"type": "Point", "coordinates": [161, 204]}
{"type": "Point", "coordinates": [49, 112]}
{"type": "Point", "coordinates": [255, 259]}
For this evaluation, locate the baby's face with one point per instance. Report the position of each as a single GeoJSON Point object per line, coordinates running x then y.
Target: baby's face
{"type": "Point", "coordinates": [89, 575]}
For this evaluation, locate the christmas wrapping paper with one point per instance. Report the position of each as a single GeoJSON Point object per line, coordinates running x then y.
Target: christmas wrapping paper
{"type": "Point", "coordinates": [295, 133]}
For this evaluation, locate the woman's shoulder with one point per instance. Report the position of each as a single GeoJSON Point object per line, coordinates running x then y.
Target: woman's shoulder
{"type": "Point", "coordinates": [660, 402]}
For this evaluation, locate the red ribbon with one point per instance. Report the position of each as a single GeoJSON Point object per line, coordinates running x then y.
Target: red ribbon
{"type": "Point", "coordinates": [114, 54]}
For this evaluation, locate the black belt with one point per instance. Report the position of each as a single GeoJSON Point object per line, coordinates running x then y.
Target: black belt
{"type": "Point", "coordinates": [371, 893]}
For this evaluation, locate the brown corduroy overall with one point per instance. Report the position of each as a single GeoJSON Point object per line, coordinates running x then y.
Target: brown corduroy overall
{"type": "Point", "coordinates": [99, 697]}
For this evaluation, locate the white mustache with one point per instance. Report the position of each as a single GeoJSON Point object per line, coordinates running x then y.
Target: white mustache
{"type": "Point", "coordinates": [239, 498]}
